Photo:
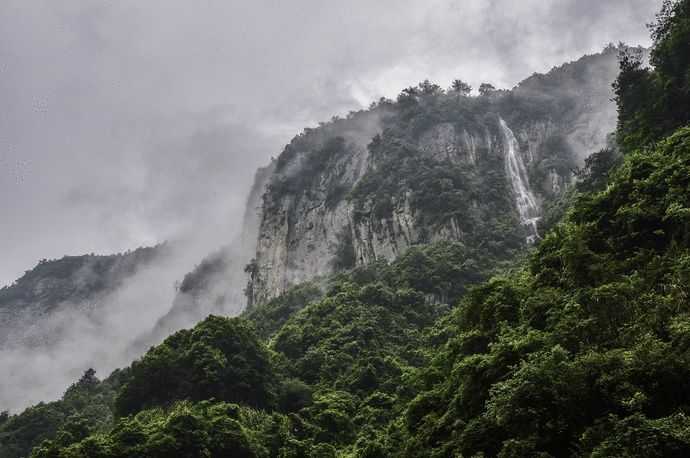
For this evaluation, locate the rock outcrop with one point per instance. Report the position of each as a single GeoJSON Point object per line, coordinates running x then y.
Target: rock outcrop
{"type": "Point", "coordinates": [557, 120]}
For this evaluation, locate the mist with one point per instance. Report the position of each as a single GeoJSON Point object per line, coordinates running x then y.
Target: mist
{"type": "Point", "coordinates": [127, 124]}
{"type": "Point", "coordinates": [111, 114]}
{"type": "Point", "coordinates": [49, 351]}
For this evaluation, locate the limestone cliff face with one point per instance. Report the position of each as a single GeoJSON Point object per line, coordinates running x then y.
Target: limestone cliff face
{"type": "Point", "coordinates": [314, 210]}
{"type": "Point", "coordinates": [444, 142]}
{"type": "Point", "coordinates": [299, 238]}
{"type": "Point", "coordinates": [383, 238]}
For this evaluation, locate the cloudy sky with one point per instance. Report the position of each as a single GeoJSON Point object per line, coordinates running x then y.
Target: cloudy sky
{"type": "Point", "coordinates": [127, 123]}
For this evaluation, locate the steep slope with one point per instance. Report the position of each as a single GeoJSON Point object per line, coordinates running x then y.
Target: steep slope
{"type": "Point", "coordinates": [430, 166]}
{"type": "Point", "coordinates": [584, 352]}
{"type": "Point", "coordinates": [67, 315]}
{"type": "Point", "coordinates": [587, 348]}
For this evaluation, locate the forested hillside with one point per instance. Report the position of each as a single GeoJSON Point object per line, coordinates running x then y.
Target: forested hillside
{"type": "Point", "coordinates": [579, 348]}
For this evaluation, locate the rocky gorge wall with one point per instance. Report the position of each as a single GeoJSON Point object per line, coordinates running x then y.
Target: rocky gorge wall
{"type": "Point", "coordinates": [305, 228]}
{"type": "Point", "coordinates": [298, 241]}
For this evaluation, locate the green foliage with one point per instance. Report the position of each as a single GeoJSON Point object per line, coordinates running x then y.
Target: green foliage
{"type": "Point", "coordinates": [558, 210]}
{"type": "Point", "coordinates": [272, 315]}
{"type": "Point", "coordinates": [87, 404]}
{"type": "Point", "coordinates": [461, 87]}
{"type": "Point", "coordinates": [594, 176]}
{"type": "Point", "coordinates": [486, 88]}
{"type": "Point", "coordinates": [205, 429]}
{"type": "Point", "coordinates": [221, 358]}
{"type": "Point", "coordinates": [443, 269]}
{"type": "Point", "coordinates": [20, 433]}
{"type": "Point", "coordinates": [652, 103]}
{"type": "Point", "coordinates": [347, 358]}
{"type": "Point", "coordinates": [198, 279]}
{"type": "Point", "coordinates": [583, 349]}
{"type": "Point", "coordinates": [304, 160]}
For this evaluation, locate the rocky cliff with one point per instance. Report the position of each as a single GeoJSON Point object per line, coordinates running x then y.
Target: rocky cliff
{"type": "Point", "coordinates": [430, 165]}
{"type": "Point", "coordinates": [305, 208]}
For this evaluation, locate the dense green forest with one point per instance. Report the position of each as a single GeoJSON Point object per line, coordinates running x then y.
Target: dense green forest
{"type": "Point", "coordinates": [581, 348]}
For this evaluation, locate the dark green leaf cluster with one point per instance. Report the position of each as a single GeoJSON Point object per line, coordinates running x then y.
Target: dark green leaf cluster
{"type": "Point", "coordinates": [272, 315]}
{"type": "Point", "coordinates": [205, 429]}
{"type": "Point", "coordinates": [220, 358]}
{"type": "Point", "coordinates": [85, 404]}
{"type": "Point", "coordinates": [652, 103]}
{"type": "Point", "coordinates": [308, 165]}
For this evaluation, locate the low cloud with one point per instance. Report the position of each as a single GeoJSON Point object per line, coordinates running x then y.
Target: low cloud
{"type": "Point", "coordinates": [122, 123]}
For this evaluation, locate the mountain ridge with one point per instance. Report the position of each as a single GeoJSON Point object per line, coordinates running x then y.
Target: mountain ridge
{"type": "Point", "coordinates": [557, 118]}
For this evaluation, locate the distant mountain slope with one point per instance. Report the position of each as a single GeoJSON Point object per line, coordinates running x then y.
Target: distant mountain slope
{"type": "Point", "coordinates": [100, 311]}
{"type": "Point", "coordinates": [70, 314]}
{"type": "Point", "coordinates": [54, 286]}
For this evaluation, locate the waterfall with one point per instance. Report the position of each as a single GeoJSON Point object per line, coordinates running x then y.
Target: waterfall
{"type": "Point", "coordinates": [526, 203]}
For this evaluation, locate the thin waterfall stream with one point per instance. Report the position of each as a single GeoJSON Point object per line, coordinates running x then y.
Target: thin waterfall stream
{"type": "Point", "coordinates": [526, 202]}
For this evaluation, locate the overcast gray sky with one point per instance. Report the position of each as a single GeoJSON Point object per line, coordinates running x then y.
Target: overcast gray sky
{"type": "Point", "coordinates": [126, 123]}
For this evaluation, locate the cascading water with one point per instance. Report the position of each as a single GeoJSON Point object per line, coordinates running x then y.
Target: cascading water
{"type": "Point", "coordinates": [527, 206]}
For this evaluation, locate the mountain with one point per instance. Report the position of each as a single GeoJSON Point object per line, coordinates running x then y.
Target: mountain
{"type": "Point", "coordinates": [333, 198]}
{"type": "Point", "coordinates": [430, 166]}
{"type": "Point", "coordinates": [467, 177]}
{"type": "Point", "coordinates": [423, 340]}
{"type": "Point", "coordinates": [67, 315]}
